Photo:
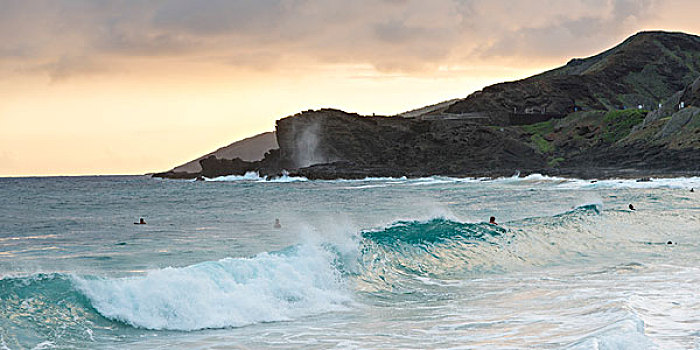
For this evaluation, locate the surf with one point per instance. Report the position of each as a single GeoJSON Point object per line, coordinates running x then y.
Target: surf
{"type": "Point", "coordinates": [401, 258]}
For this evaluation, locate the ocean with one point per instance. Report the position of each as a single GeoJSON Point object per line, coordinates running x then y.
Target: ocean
{"type": "Point", "coordinates": [379, 263]}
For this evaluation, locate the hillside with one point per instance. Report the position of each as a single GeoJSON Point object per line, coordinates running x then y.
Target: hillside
{"type": "Point", "coordinates": [249, 149]}
{"type": "Point", "coordinates": [645, 69]}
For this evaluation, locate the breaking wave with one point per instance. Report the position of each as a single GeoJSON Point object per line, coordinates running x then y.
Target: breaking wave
{"type": "Point", "coordinates": [253, 176]}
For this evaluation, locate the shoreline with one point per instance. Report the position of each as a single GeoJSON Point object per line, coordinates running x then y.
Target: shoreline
{"type": "Point", "coordinates": [569, 174]}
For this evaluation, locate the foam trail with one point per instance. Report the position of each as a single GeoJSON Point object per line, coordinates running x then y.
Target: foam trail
{"type": "Point", "coordinates": [532, 179]}
{"type": "Point", "coordinates": [580, 184]}
{"type": "Point", "coordinates": [249, 176]}
{"type": "Point", "coordinates": [253, 176]}
{"type": "Point", "coordinates": [667, 183]}
{"type": "Point", "coordinates": [226, 293]}
{"type": "Point", "coordinates": [624, 334]}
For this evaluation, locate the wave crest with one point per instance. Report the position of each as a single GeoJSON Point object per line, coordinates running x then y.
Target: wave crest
{"type": "Point", "coordinates": [225, 293]}
{"type": "Point", "coordinates": [432, 231]}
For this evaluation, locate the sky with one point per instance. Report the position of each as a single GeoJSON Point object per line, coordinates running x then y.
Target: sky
{"type": "Point", "coordinates": [131, 87]}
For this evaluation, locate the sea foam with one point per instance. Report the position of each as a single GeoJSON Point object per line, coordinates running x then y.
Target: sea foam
{"type": "Point", "coordinates": [253, 176]}
{"type": "Point", "coordinates": [231, 292]}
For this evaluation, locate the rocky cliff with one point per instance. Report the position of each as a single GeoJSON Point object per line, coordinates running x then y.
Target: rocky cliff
{"type": "Point", "coordinates": [381, 146]}
{"type": "Point", "coordinates": [614, 114]}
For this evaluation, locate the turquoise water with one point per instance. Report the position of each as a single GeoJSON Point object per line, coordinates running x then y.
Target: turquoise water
{"type": "Point", "coordinates": [377, 263]}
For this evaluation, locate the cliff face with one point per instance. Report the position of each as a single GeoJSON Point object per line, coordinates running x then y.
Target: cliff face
{"type": "Point", "coordinates": [645, 69]}
{"type": "Point", "coordinates": [385, 146]}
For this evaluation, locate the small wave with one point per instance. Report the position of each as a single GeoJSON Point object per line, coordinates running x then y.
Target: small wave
{"type": "Point", "coordinates": [432, 181]}
{"type": "Point", "coordinates": [431, 231]}
{"type": "Point", "coordinates": [625, 334]}
{"type": "Point", "coordinates": [17, 238]}
{"type": "Point", "coordinates": [531, 179]}
{"type": "Point", "coordinates": [370, 179]}
{"type": "Point", "coordinates": [253, 176]}
{"type": "Point", "coordinates": [595, 208]}
{"type": "Point", "coordinates": [362, 187]}
{"type": "Point", "coordinates": [398, 258]}
{"type": "Point", "coordinates": [667, 183]}
{"type": "Point", "coordinates": [580, 184]}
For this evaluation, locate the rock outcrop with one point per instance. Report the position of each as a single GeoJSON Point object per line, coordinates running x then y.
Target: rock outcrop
{"type": "Point", "coordinates": [387, 146]}
{"type": "Point", "coordinates": [251, 149]}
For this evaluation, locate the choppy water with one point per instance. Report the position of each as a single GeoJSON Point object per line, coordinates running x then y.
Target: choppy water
{"type": "Point", "coordinates": [378, 263]}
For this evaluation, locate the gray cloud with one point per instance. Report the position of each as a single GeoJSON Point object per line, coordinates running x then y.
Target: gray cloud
{"type": "Point", "coordinates": [564, 35]}
{"type": "Point", "coordinates": [391, 35]}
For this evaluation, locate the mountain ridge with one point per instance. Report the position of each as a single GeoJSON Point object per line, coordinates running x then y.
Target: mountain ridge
{"type": "Point", "coordinates": [641, 70]}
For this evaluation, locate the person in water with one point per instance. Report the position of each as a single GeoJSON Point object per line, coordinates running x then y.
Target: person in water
{"type": "Point", "coordinates": [141, 222]}
{"type": "Point", "coordinates": [631, 207]}
{"type": "Point", "coordinates": [277, 224]}
{"type": "Point", "coordinates": [492, 221]}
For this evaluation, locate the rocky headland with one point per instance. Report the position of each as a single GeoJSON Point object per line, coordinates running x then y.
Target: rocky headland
{"type": "Point", "coordinates": [631, 111]}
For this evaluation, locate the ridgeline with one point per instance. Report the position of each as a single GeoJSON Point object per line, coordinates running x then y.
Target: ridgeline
{"type": "Point", "coordinates": [631, 111]}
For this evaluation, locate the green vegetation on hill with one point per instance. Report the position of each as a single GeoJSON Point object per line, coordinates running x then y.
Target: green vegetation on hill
{"type": "Point", "coordinates": [543, 146]}
{"type": "Point", "coordinates": [539, 132]}
{"type": "Point", "coordinates": [542, 128]}
{"type": "Point", "coordinates": [556, 139]}
{"type": "Point", "coordinates": [618, 124]}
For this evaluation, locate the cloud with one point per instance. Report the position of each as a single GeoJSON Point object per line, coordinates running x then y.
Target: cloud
{"type": "Point", "coordinates": [566, 31]}
{"type": "Point", "coordinates": [391, 35]}
{"type": "Point", "coordinates": [65, 67]}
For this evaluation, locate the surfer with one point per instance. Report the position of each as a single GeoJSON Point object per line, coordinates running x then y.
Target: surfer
{"type": "Point", "coordinates": [141, 222]}
{"type": "Point", "coordinates": [692, 189]}
{"type": "Point", "coordinates": [277, 224]}
{"type": "Point", "coordinates": [492, 221]}
{"type": "Point", "coordinates": [631, 207]}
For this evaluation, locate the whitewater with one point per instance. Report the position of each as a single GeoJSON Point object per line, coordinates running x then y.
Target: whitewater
{"type": "Point", "coordinates": [377, 263]}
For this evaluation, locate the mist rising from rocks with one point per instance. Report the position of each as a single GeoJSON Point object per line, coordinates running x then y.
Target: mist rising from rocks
{"type": "Point", "coordinates": [308, 151]}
